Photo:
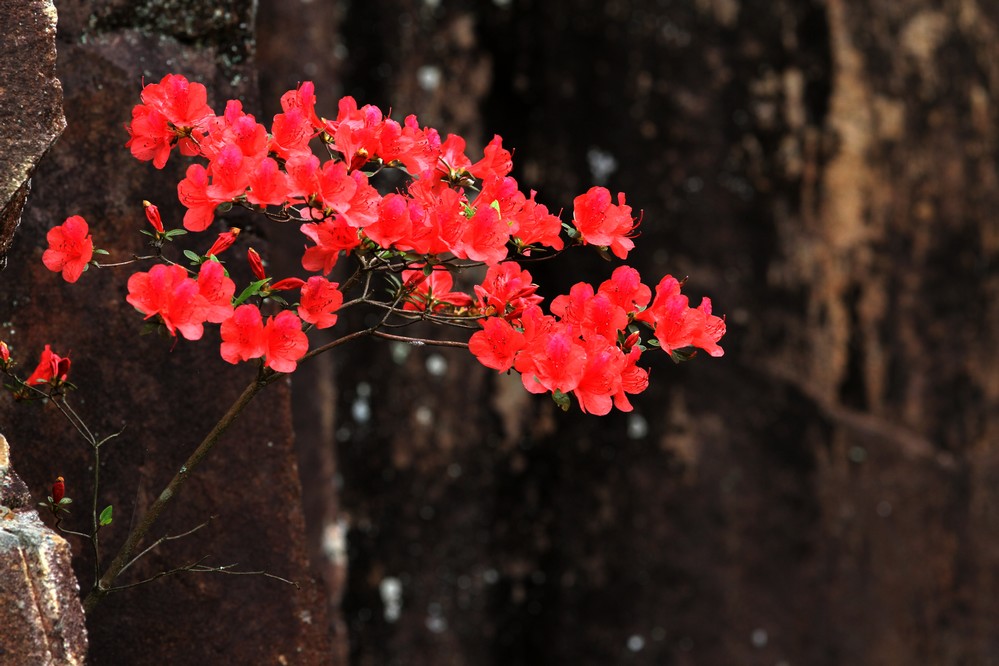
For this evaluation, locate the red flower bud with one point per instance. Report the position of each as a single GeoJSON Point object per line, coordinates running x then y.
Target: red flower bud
{"type": "Point", "coordinates": [4, 354]}
{"type": "Point", "coordinates": [52, 368]}
{"type": "Point", "coordinates": [631, 340]}
{"type": "Point", "coordinates": [287, 284]}
{"type": "Point", "coordinates": [153, 215]}
{"type": "Point", "coordinates": [223, 242]}
{"type": "Point", "coordinates": [256, 264]}
{"type": "Point", "coordinates": [58, 490]}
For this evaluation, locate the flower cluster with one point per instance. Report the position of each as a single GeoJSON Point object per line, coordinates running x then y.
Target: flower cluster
{"type": "Point", "coordinates": [453, 213]}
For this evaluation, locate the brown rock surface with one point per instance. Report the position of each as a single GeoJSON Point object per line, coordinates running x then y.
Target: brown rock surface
{"type": "Point", "coordinates": [31, 115]}
{"type": "Point", "coordinates": [166, 399]}
{"type": "Point", "coordinates": [40, 609]}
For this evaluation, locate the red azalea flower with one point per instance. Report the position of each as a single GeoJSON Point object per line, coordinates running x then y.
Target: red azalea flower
{"type": "Point", "coordinates": [602, 223]}
{"type": "Point", "coordinates": [172, 111]}
{"type": "Point", "coordinates": [243, 335]}
{"type": "Point", "coordinates": [150, 136]}
{"type": "Point", "coordinates": [601, 379]}
{"type": "Point", "coordinates": [394, 223]}
{"type": "Point", "coordinates": [508, 290]}
{"type": "Point", "coordinates": [497, 344]}
{"type": "Point", "coordinates": [199, 198]}
{"type": "Point", "coordinates": [286, 343]}
{"type": "Point", "coordinates": [268, 184]}
{"type": "Point", "coordinates": [52, 368]}
{"type": "Point", "coordinates": [534, 224]}
{"type": "Point", "coordinates": [431, 292]}
{"type": "Point", "coordinates": [331, 236]}
{"type": "Point", "coordinates": [496, 163]}
{"type": "Point", "coordinates": [320, 299]}
{"type": "Point", "coordinates": [70, 248]}
{"type": "Point", "coordinates": [281, 341]}
{"type": "Point", "coordinates": [553, 360]}
{"type": "Point", "coordinates": [626, 290]}
{"type": "Point", "coordinates": [184, 104]}
{"type": "Point", "coordinates": [484, 237]}
{"type": "Point", "coordinates": [677, 325]}
{"type": "Point", "coordinates": [167, 291]}
{"type": "Point", "coordinates": [217, 290]}
{"type": "Point", "coordinates": [4, 354]}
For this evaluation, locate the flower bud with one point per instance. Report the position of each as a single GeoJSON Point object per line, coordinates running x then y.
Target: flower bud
{"type": "Point", "coordinates": [223, 242]}
{"type": "Point", "coordinates": [153, 215]}
{"type": "Point", "coordinates": [256, 264]}
{"type": "Point", "coordinates": [287, 284]}
{"type": "Point", "coordinates": [631, 341]}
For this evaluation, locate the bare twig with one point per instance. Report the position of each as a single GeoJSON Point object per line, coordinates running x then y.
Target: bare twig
{"type": "Point", "coordinates": [198, 567]}
{"type": "Point", "coordinates": [167, 537]}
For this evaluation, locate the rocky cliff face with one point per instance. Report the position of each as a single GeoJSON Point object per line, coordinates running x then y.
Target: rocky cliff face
{"type": "Point", "coordinates": [40, 609]}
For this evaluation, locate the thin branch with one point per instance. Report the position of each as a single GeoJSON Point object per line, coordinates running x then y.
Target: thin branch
{"type": "Point", "coordinates": [419, 341]}
{"type": "Point", "coordinates": [134, 259]}
{"type": "Point", "coordinates": [198, 567]}
{"type": "Point", "coordinates": [166, 537]}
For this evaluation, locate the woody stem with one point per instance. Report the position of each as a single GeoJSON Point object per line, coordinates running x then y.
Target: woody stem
{"type": "Point", "coordinates": [138, 533]}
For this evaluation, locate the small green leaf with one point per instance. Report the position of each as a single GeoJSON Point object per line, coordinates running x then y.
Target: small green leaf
{"type": "Point", "coordinates": [561, 399]}
{"type": "Point", "coordinates": [65, 500]}
{"type": "Point", "coordinates": [252, 290]}
{"type": "Point", "coordinates": [224, 207]}
{"type": "Point", "coordinates": [495, 206]}
{"type": "Point", "coordinates": [193, 256]}
{"type": "Point", "coordinates": [681, 355]}
{"type": "Point", "coordinates": [428, 270]}
{"type": "Point", "coordinates": [105, 518]}
{"type": "Point", "coordinates": [174, 232]}
{"type": "Point", "coordinates": [98, 251]}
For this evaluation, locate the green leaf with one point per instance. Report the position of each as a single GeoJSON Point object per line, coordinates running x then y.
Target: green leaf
{"type": "Point", "coordinates": [224, 207]}
{"type": "Point", "coordinates": [681, 355]}
{"type": "Point", "coordinates": [278, 299]}
{"type": "Point", "coordinates": [193, 256]}
{"type": "Point", "coordinates": [495, 206]}
{"type": "Point", "coordinates": [174, 232]}
{"type": "Point", "coordinates": [65, 500]}
{"type": "Point", "coordinates": [252, 290]}
{"type": "Point", "coordinates": [105, 518]}
{"type": "Point", "coordinates": [97, 251]}
{"type": "Point", "coordinates": [561, 399]}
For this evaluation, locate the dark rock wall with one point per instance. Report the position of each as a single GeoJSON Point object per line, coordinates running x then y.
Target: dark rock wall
{"type": "Point", "coordinates": [823, 494]}
{"type": "Point", "coordinates": [166, 399]}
